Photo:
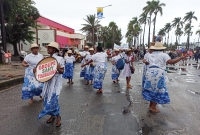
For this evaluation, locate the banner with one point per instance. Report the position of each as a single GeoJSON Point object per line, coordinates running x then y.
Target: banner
{"type": "Point", "coordinates": [100, 13]}
{"type": "Point", "coordinates": [116, 46]}
{"type": "Point", "coordinates": [46, 69]}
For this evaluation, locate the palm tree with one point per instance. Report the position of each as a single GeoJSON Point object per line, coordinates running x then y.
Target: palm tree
{"type": "Point", "coordinates": [178, 34]}
{"type": "Point", "coordinates": [162, 32]}
{"type": "Point", "coordinates": [188, 18]}
{"type": "Point", "coordinates": [198, 33]}
{"type": "Point", "coordinates": [168, 28]}
{"type": "Point", "coordinates": [91, 28]}
{"type": "Point", "coordinates": [157, 8]}
{"type": "Point", "coordinates": [148, 9]}
{"type": "Point", "coordinates": [143, 20]}
{"type": "Point", "coordinates": [177, 23]}
{"type": "Point", "coordinates": [188, 32]}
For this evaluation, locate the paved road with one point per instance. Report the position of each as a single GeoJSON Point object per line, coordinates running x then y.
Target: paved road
{"type": "Point", "coordinates": [117, 112]}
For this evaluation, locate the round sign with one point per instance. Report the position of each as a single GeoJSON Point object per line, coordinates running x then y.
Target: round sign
{"type": "Point", "coordinates": [46, 69]}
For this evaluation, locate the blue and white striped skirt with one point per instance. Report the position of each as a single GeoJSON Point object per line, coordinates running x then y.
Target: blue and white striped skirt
{"type": "Point", "coordinates": [89, 75]}
{"type": "Point", "coordinates": [115, 73]}
{"type": "Point", "coordinates": [69, 71]}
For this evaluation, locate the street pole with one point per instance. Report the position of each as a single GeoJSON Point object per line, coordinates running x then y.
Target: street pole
{"type": "Point", "coordinates": [3, 32]}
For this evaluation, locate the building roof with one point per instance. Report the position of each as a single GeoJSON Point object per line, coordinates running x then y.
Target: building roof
{"type": "Point", "coordinates": [51, 23]}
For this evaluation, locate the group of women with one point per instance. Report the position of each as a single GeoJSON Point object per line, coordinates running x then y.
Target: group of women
{"type": "Point", "coordinates": [93, 70]}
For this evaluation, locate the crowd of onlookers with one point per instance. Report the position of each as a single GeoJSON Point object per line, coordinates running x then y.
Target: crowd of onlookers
{"type": "Point", "coordinates": [5, 56]}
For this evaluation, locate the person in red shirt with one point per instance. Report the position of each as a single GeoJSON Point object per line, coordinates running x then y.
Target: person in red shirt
{"type": "Point", "coordinates": [9, 57]}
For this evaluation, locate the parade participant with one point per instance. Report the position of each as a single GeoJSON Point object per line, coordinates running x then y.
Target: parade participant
{"type": "Point", "coordinates": [155, 89]}
{"type": "Point", "coordinates": [52, 88]}
{"type": "Point", "coordinates": [31, 86]}
{"type": "Point", "coordinates": [100, 68]}
{"type": "Point", "coordinates": [89, 68]}
{"type": "Point", "coordinates": [69, 67]}
{"type": "Point", "coordinates": [115, 72]}
{"type": "Point", "coordinates": [83, 55]}
{"type": "Point", "coordinates": [127, 68]}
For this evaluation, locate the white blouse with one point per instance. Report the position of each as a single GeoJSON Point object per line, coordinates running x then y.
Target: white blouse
{"type": "Point", "coordinates": [70, 59]}
{"type": "Point", "coordinates": [60, 61]}
{"type": "Point", "coordinates": [99, 57]}
{"type": "Point", "coordinates": [88, 57]}
{"type": "Point", "coordinates": [116, 58]}
{"type": "Point", "coordinates": [33, 60]}
{"type": "Point", "coordinates": [158, 58]}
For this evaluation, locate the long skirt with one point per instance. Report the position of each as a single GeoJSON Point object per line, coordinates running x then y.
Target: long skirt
{"type": "Point", "coordinates": [99, 74]}
{"type": "Point", "coordinates": [143, 74]}
{"type": "Point", "coordinates": [83, 69]}
{"type": "Point", "coordinates": [50, 93]}
{"type": "Point", "coordinates": [31, 86]}
{"type": "Point", "coordinates": [155, 88]}
{"type": "Point", "coordinates": [89, 75]}
{"type": "Point", "coordinates": [115, 73]}
{"type": "Point", "coordinates": [69, 70]}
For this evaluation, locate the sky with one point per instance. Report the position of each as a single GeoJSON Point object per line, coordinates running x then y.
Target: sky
{"type": "Point", "coordinates": [72, 12]}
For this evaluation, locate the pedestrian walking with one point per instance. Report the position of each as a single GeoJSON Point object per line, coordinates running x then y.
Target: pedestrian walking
{"type": "Point", "coordinates": [100, 68]}
{"type": "Point", "coordinates": [89, 68]}
{"type": "Point", "coordinates": [115, 72]}
{"type": "Point", "coordinates": [127, 68]}
{"type": "Point", "coordinates": [31, 86]}
{"type": "Point", "coordinates": [52, 88]}
{"type": "Point", "coordinates": [155, 88]}
{"type": "Point", "coordinates": [9, 57]}
{"type": "Point", "coordinates": [83, 55]}
{"type": "Point", "coordinates": [69, 67]}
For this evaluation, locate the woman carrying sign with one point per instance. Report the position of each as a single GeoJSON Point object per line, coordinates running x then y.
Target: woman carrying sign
{"type": "Point", "coordinates": [89, 75]}
{"type": "Point", "coordinates": [31, 86]}
{"type": "Point", "coordinates": [100, 68]}
{"type": "Point", "coordinates": [127, 68]}
{"type": "Point", "coordinates": [115, 71]}
{"type": "Point", "coordinates": [69, 67]}
{"type": "Point", "coordinates": [52, 88]}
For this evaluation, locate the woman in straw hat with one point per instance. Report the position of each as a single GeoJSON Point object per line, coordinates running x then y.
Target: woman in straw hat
{"type": "Point", "coordinates": [155, 89]}
{"type": "Point", "coordinates": [115, 72]}
{"type": "Point", "coordinates": [100, 68]}
{"type": "Point", "coordinates": [127, 71]}
{"type": "Point", "coordinates": [31, 86]}
{"type": "Point", "coordinates": [69, 67]}
{"type": "Point", "coordinates": [89, 75]}
{"type": "Point", "coordinates": [83, 55]}
{"type": "Point", "coordinates": [52, 88]}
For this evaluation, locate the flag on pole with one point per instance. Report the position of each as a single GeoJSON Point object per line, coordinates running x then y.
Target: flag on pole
{"type": "Point", "coordinates": [99, 12]}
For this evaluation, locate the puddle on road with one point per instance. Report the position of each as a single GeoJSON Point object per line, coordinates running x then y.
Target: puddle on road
{"type": "Point", "coordinates": [146, 130]}
{"type": "Point", "coordinates": [129, 108]}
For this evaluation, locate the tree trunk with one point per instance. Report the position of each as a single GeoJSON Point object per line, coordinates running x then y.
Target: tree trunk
{"type": "Point", "coordinates": [176, 40]}
{"type": "Point", "coordinates": [154, 27]}
{"type": "Point", "coordinates": [93, 37]}
{"type": "Point", "coordinates": [168, 39]}
{"type": "Point", "coordinates": [149, 32]}
{"type": "Point", "coordinates": [144, 33]}
{"type": "Point", "coordinates": [188, 41]}
{"type": "Point", "coordinates": [3, 31]}
{"type": "Point", "coordinates": [140, 38]}
{"type": "Point", "coordinates": [16, 53]}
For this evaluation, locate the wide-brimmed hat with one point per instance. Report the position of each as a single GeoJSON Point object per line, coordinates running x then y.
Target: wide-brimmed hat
{"type": "Point", "coordinates": [70, 51]}
{"type": "Point", "coordinates": [158, 46]}
{"type": "Point", "coordinates": [129, 50]}
{"type": "Point", "coordinates": [54, 45]}
{"type": "Point", "coordinates": [34, 46]}
{"type": "Point", "coordinates": [116, 50]}
{"type": "Point", "coordinates": [91, 49]}
{"type": "Point", "coordinates": [86, 47]}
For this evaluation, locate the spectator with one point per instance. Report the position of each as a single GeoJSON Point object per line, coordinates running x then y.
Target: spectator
{"type": "Point", "coordinates": [6, 58]}
{"type": "Point", "coordinates": [9, 57]}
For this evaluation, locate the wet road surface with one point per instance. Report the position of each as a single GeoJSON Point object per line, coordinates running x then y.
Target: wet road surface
{"type": "Point", "coordinates": [117, 112]}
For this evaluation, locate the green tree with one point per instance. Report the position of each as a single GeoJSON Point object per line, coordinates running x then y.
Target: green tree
{"type": "Point", "coordinates": [178, 24]}
{"type": "Point", "coordinates": [19, 22]}
{"type": "Point", "coordinates": [168, 28]}
{"type": "Point", "coordinates": [90, 28]}
{"type": "Point", "coordinates": [162, 33]}
{"type": "Point", "coordinates": [198, 33]}
{"type": "Point", "coordinates": [188, 18]}
{"type": "Point", "coordinates": [188, 32]}
{"type": "Point", "coordinates": [178, 33]}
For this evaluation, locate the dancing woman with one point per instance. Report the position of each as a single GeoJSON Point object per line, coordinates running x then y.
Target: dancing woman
{"type": "Point", "coordinates": [100, 68]}
{"type": "Point", "coordinates": [31, 86]}
{"type": "Point", "coordinates": [155, 89]}
{"type": "Point", "coordinates": [52, 88]}
{"type": "Point", "coordinates": [115, 72]}
{"type": "Point", "coordinates": [83, 55]}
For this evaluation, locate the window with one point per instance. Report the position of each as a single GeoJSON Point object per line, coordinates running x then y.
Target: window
{"type": "Point", "coordinates": [45, 44]}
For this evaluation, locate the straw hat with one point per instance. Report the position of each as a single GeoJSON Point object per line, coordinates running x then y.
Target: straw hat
{"type": "Point", "coordinates": [91, 49]}
{"type": "Point", "coordinates": [86, 47]}
{"type": "Point", "coordinates": [70, 51]}
{"type": "Point", "coordinates": [116, 50]}
{"type": "Point", "coordinates": [158, 46]}
{"type": "Point", "coordinates": [34, 46]}
{"type": "Point", "coordinates": [54, 45]}
{"type": "Point", "coordinates": [129, 50]}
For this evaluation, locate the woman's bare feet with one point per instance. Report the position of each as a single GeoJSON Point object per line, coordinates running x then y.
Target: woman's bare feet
{"type": "Point", "coordinates": [100, 91]}
{"type": "Point", "coordinates": [154, 110]}
{"type": "Point", "coordinates": [58, 122]}
{"type": "Point", "coordinates": [31, 101]}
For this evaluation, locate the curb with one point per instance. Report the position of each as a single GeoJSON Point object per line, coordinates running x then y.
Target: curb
{"type": "Point", "coordinates": [11, 82]}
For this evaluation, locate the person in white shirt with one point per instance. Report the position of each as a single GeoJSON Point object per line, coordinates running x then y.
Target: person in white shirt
{"type": "Point", "coordinates": [31, 86]}
{"type": "Point", "coordinates": [115, 72]}
{"type": "Point", "coordinates": [83, 55]}
{"type": "Point", "coordinates": [89, 75]}
{"type": "Point", "coordinates": [69, 67]}
{"type": "Point", "coordinates": [100, 68]}
{"type": "Point", "coordinates": [155, 89]}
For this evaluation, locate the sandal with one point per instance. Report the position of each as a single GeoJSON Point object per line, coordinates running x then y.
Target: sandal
{"type": "Point", "coordinates": [59, 121]}
{"type": "Point", "coordinates": [51, 119]}
{"type": "Point", "coordinates": [99, 92]}
{"type": "Point", "coordinates": [154, 110]}
{"type": "Point", "coordinates": [114, 81]}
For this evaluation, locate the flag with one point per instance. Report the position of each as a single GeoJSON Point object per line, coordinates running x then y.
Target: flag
{"type": "Point", "coordinates": [100, 13]}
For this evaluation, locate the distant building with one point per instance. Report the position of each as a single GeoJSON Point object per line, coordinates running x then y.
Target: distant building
{"type": "Point", "coordinates": [48, 31]}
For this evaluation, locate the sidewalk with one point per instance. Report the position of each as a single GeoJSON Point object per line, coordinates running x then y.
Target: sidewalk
{"type": "Point", "coordinates": [11, 74]}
